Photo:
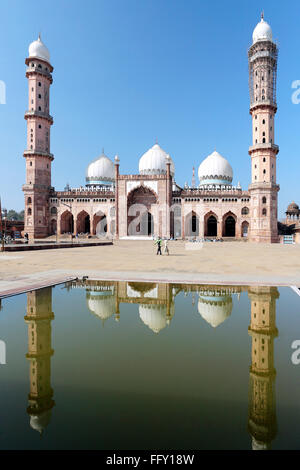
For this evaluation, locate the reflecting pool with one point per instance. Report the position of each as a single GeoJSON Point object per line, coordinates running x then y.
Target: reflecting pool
{"type": "Point", "coordinates": [126, 365]}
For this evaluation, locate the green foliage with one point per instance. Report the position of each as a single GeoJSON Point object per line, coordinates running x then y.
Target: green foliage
{"type": "Point", "coordinates": [13, 215]}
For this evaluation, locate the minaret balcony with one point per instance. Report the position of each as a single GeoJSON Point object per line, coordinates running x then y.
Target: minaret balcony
{"type": "Point", "coordinates": [263, 54]}
{"type": "Point", "coordinates": [35, 113]}
{"type": "Point", "coordinates": [30, 153]}
{"type": "Point", "coordinates": [36, 70]}
{"type": "Point", "coordinates": [266, 103]}
{"type": "Point", "coordinates": [264, 185]}
{"type": "Point", "coordinates": [266, 146]}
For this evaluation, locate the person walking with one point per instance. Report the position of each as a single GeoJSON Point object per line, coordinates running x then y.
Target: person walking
{"type": "Point", "coordinates": [158, 242]}
{"type": "Point", "coordinates": [166, 248]}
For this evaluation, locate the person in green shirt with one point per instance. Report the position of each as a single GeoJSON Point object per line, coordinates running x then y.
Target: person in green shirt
{"type": "Point", "coordinates": [158, 243]}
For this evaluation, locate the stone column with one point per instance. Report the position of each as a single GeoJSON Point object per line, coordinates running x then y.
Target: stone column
{"type": "Point", "coordinates": [201, 227]}
{"type": "Point", "coordinates": [58, 224]}
{"type": "Point", "coordinates": [182, 223]}
{"type": "Point", "coordinates": [238, 229]}
{"type": "Point", "coordinates": [117, 195]}
{"type": "Point", "coordinates": [219, 228]}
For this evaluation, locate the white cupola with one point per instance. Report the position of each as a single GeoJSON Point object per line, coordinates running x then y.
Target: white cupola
{"type": "Point", "coordinates": [38, 50]}
{"type": "Point", "coordinates": [262, 31]}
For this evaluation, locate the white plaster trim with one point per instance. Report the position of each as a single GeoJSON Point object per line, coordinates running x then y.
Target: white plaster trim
{"type": "Point", "coordinates": [130, 185]}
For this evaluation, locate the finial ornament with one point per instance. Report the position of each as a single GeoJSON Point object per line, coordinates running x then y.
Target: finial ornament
{"type": "Point", "coordinates": [102, 150]}
{"type": "Point", "coordinates": [39, 38]}
{"type": "Point", "coordinates": [156, 140]}
{"type": "Point", "coordinates": [262, 15]}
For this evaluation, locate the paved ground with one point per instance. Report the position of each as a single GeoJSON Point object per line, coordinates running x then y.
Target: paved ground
{"type": "Point", "coordinates": [222, 263]}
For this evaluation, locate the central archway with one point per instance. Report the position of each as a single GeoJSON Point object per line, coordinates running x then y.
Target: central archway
{"type": "Point", "coordinates": [140, 220]}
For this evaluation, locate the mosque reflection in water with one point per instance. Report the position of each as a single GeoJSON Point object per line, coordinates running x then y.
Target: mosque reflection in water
{"type": "Point", "coordinates": [156, 309]}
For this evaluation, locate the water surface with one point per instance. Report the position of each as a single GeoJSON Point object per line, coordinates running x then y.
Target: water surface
{"type": "Point", "coordinates": [121, 365]}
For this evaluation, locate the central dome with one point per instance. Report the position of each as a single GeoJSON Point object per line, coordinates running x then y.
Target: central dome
{"type": "Point", "coordinates": [100, 171]}
{"type": "Point", "coordinates": [215, 310]}
{"type": "Point", "coordinates": [262, 31]}
{"type": "Point", "coordinates": [155, 316]}
{"type": "Point", "coordinates": [38, 50]}
{"type": "Point", "coordinates": [154, 162]}
{"type": "Point", "coordinates": [215, 169]}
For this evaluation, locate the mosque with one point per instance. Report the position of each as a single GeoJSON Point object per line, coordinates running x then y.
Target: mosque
{"type": "Point", "coordinates": [151, 202]}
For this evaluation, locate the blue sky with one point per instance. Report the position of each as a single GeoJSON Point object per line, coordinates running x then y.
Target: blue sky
{"type": "Point", "coordinates": [129, 71]}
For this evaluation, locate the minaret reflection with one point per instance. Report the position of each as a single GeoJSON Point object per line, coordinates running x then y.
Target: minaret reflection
{"type": "Point", "coordinates": [262, 423]}
{"type": "Point", "coordinates": [38, 319]}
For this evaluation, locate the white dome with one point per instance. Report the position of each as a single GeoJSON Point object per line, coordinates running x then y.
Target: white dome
{"type": "Point", "coordinates": [40, 421]}
{"type": "Point", "coordinates": [39, 50]}
{"type": "Point", "coordinates": [101, 304]}
{"type": "Point", "coordinates": [155, 316]}
{"type": "Point", "coordinates": [100, 170]}
{"type": "Point", "coordinates": [257, 445]}
{"type": "Point", "coordinates": [215, 169]}
{"type": "Point", "coordinates": [215, 310]}
{"type": "Point", "coordinates": [262, 31]}
{"type": "Point", "coordinates": [153, 162]}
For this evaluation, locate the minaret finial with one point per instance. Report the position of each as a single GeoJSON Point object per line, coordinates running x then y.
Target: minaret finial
{"type": "Point", "coordinates": [262, 15]}
{"type": "Point", "coordinates": [102, 150]}
{"type": "Point", "coordinates": [156, 140]}
{"type": "Point", "coordinates": [39, 36]}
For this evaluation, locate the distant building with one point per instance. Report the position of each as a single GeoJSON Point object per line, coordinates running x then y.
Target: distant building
{"type": "Point", "coordinates": [151, 203]}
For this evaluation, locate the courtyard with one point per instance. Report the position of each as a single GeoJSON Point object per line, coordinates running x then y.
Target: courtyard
{"type": "Point", "coordinates": [222, 263]}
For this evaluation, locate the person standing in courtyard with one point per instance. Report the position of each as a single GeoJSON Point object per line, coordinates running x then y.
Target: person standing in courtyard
{"type": "Point", "coordinates": [158, 242]}
{"type": "Point", "coordinates": [166, 248]}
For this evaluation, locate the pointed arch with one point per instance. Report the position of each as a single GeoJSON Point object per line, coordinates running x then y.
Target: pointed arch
{"type": "Point", "coordinates": [66, 222]}
{"type": "Point", "coordinates": [245, 229]}
{"type": "Point", "coordinates": [83, 223]}
{"type": "Point", "coordinates": [100, 226]}
{"type": "Point", "coordinates": [140, 219]}
{"type": "Point", "coordinates": [210, 224]}
{"type": "Point", "coordinates": [192, 224]}
{"type": "Point", "coordinates": [229, 224]}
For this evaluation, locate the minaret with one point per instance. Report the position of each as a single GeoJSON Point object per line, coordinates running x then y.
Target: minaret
{"type": "Point", "coordinates": [262, 56]}
{"type": "Point", "coordinates": [38, 319]}
{"type": "Point", "coordinates": [262, 423]}
{"type": "Point", "coordinates": [193, 178]}
{"type": "Point", "coordinates": [38, 156]}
